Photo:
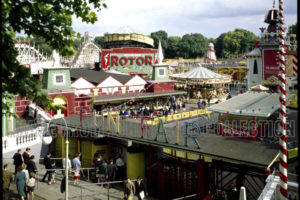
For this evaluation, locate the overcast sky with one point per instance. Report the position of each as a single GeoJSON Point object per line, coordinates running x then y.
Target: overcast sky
{"type": "Point", "coordinates": [178, 17]}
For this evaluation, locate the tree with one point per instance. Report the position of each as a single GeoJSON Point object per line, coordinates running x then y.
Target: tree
{"type": "Point", "coordinates": [162, 36]}
{"type": "Point", "coordinates": [235, 42]}
{"type": "Point", "coordinates": [99, 40]}
{"type": "Point", "coordinates": [193, 45]}
{"type": "Point", "coordinates": [49, 20]}
{"type": "Point", "coordinates": [173, 49]}
{"type": "Point", "coordinates": [293, 28]}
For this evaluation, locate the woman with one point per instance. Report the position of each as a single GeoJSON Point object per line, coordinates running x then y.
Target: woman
{"type": "Point", "coordinates": [20, 180]}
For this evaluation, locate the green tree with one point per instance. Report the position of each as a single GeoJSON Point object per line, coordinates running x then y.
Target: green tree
{"type": "Point", "coordinates": [50, 20]}
{"type": "Point", "coordinates": [173, 49]}
{"type": "Point", "coordinates": [192, 45]}
{"type": "Point", "coordinates": [235, 42]}
{"type": "Point", "coordinates": [99, 40]}
{"type": "Point", "coordinates": [293, 28]}
{"type": "Point", "coordinates": [162, 36]}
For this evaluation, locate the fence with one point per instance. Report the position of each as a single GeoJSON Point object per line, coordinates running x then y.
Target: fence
{"type": "Point", "coordinates": [23, 137]}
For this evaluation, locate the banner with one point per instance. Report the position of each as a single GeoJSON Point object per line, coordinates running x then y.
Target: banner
{"type": "Point", "coordinates": [271, 67]}
{"type": "Point", "coordinates": [238, 133]}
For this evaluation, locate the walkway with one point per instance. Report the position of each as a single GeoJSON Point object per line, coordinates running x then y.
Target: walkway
{"type": "Point", "coordinates": [85, 190]}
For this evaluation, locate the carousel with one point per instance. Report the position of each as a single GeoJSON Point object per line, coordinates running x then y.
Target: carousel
{"type": "Point", "coordinates": [204, 84]}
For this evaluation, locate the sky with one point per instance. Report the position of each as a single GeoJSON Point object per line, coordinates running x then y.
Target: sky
{"type": "Point", "coordinates": [178, 17]}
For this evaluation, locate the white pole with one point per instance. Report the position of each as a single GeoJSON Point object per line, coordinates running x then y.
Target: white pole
{"type": "Point", "coordinates": [66, 161]}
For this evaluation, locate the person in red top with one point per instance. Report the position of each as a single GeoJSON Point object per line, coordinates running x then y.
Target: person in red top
{"type": "Point", "coordinates": [95, 158]}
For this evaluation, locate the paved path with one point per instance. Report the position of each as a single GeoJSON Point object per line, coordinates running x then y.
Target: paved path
{"type": "Point", "coordinates": [85, 190]}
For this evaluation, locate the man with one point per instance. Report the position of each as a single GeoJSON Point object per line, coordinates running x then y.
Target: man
{"type": "Point", "coordinates": [129, 189]}
{"type": "Point", "coordinates": [31, 167]}
{"type": "Point", "coordinates": [140, 189]}
{"type": "Point", "coordinates": [111, 171]}
{"type": "Point", "coordinates": [6, 179]}
{"type": "Point", "coordinates": [18, 159]}
{"type": "Point", "coordinates": [47, 163]}
{"type": "Point", "coordinates": [26, 155]}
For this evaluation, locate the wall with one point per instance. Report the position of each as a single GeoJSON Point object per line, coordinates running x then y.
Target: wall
{"type": "Point", "coordinates": [161, 87]}
{"type": "Point", "coordinates": [70, 101]}
{"type": "Point", "coordinates": [21, 105]}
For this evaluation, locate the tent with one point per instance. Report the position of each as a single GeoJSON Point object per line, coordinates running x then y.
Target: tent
{"type": "Point", "coordinates": [201, 75]}
{"type": "Point", "coordinates": [259, 88]}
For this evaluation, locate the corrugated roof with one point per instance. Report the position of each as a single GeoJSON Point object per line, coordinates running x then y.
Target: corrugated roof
{"type": "Point", "coordinates": [96, 77]}
{"type": "Point", "coordinates": [249, 104]}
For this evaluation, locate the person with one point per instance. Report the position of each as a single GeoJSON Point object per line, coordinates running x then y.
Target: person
{"type": "Point", "coordinates": [183, 106]}
{"type": "Point", "coordinates": [97, 165]}
{"type": "Point", "coordinates": [20, 180]}
{"type": "Point", "coordinates": [69, 164]}
{"type": "Point", "coordinates": [30, 186]}
{"type": "Point", "coordinates": [26, 155]}
{"type": "Point", "coordinates": [102, 171]}
{"type": "Point", "coordinates": [140, 189]}
{"type": "Point", "coordinates": [229, 96]}
{"type": "Point", "coordinates": [76, 161]}
{"type": "Point", "coordinates": [7, 177]}
{"type": "Point", "coordinates": [52, 173]}
{"type": "Point", "coordinates": [24, 169]}
{"type": "Point", "coordinates": [95, 158]}
{"type": "Point", "coordinates": [76, 175]}
{"type": "Point", "coordinates": [129, 189]}
{"type": "Point", "coordinates": [203, 104]}
{"type": "Point", "coordinates": [31, 167]}
{"type": "Point", "coordinates": [208, 100]}
{"type": "Point", "coordinates": [47, 163]}
{"type": "Point", "coordinates": [111, 171]}
{"type": "Point", "coordinates": [199, 104]}
{"type": "Point", "coordinates": [18, 159]}
{"type": "Point", "coordinates": [120, 165]}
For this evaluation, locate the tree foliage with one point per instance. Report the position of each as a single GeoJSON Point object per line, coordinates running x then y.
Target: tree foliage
{"type": "Point", "coordinates": [48, 20]}
{"type": "Point", "coordinates": [293, 28]}
{"type": "Point", "coordinates": [99, 40]}
{"type": "Point", "coordinates": [235, 42]}
{"type": "Point", "coordinates": [162, 36]}
{"type": "Point", "coordinates": [193, 45]}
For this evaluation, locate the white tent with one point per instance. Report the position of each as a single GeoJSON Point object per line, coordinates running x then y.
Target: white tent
{"type": "Point", "coordinates": [202, 75]}
{"type": "Point", "coordinates": [259, 88]}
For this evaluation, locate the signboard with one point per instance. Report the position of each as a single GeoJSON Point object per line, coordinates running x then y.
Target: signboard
{"type": "Point", "coordinates": [239, 133]}
{"type": "Point", "coordinates": [129, 60]}
{"type": "Point", "coordinates": [271, 67]}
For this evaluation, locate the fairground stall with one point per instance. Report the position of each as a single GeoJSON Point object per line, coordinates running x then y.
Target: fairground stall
{"type": "Point", "coordinates": [202, 83]}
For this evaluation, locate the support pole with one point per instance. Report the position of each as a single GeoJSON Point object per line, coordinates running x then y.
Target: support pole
{"type": "Point", "coordinates": [282, 110]}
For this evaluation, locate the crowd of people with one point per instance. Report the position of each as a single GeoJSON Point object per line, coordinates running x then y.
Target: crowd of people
{"type": "Point", "coordinates": [25, 173]}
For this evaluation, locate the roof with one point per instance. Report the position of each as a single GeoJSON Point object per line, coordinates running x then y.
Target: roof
{"type": "Point", "coordinates": [254, 52]}
{"type": "Point", "coordinates": [96, 77]}
{"type": "Point", "coordinates": [260, 104]}
{"type": "Point", "coordinates": [217, 147]}
{"type": "Point", "coordinates": [199, 73]}
{"type": "Point", "coordinates": [142, 95]}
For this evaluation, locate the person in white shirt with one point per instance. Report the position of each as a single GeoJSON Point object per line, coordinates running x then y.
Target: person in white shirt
{"type": "Point", "coordinates": [30, 185]}
{"type": "Point", "coordinates": [69, 164]}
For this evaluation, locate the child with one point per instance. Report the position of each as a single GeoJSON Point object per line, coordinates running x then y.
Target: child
{"type": "Point", "coordinates": [52, 173]}
{"type": "Point", "coordinates": [31, 185]}
{"type": "Point", "coordinates": [76, 175]}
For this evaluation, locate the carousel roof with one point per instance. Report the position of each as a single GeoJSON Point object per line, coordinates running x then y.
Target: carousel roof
{"type": "Point", "coordinates": [199, 73]}
{"type": "Point", "coordinates": [259, 88]}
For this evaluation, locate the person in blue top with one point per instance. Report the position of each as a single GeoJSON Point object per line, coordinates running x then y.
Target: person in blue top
{"type": "Point", "coordinates": [126, 113]}
{"type": "Point", "coordinates": [199, 104]}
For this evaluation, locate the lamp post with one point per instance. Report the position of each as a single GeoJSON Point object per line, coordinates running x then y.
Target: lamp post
{"type": "Point", "coordinates": [66, 161]}
{"type": "Point", "coordinates": [47, 140]}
